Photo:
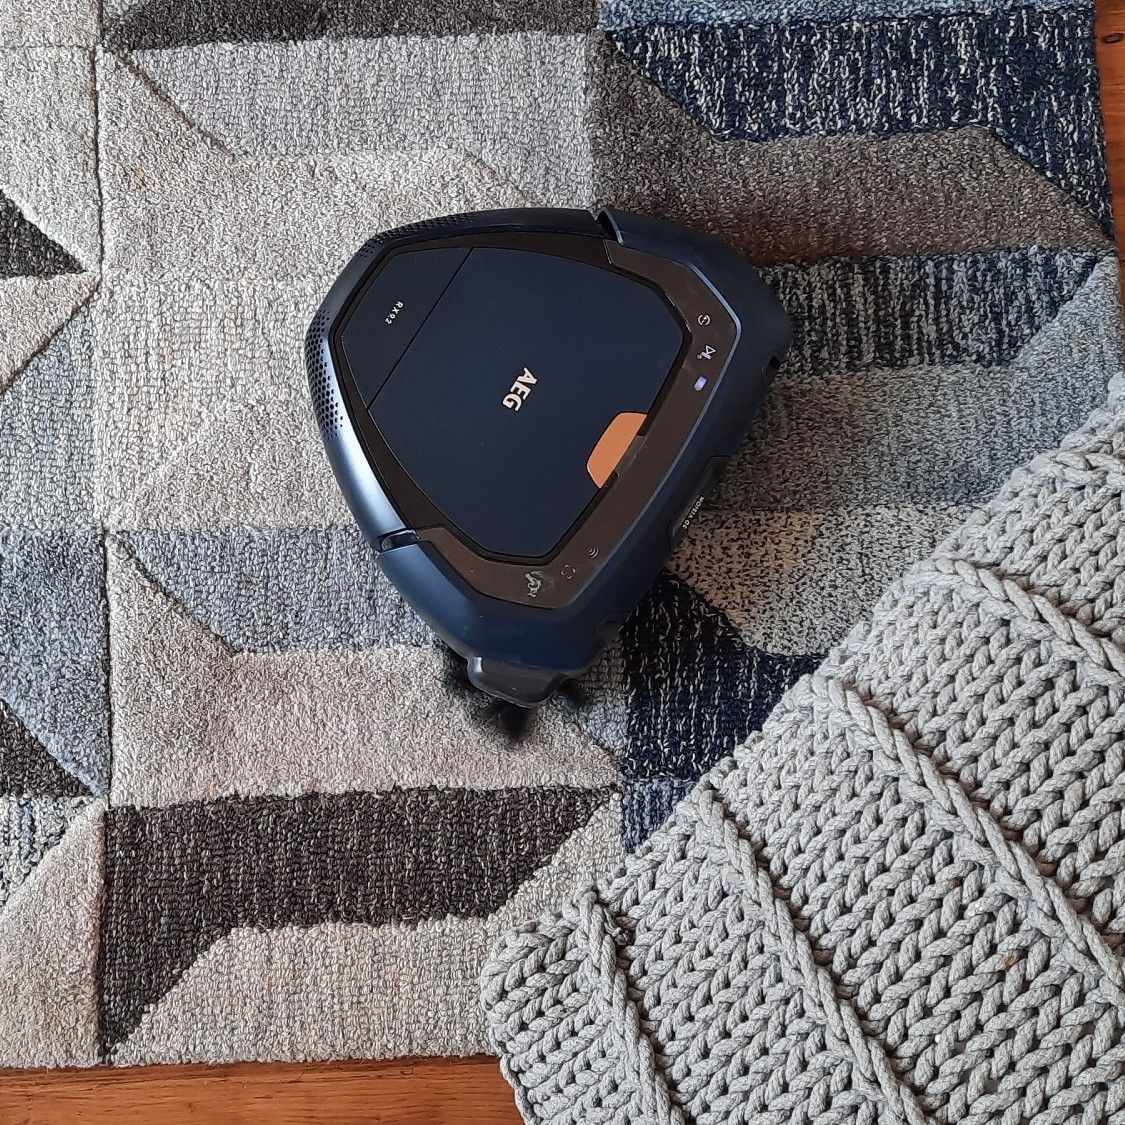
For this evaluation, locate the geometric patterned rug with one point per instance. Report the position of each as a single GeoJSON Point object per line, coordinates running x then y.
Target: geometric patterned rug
{"type": "Point", "coordinates": [241, 816]}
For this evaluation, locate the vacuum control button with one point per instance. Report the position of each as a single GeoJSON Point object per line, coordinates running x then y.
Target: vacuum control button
{"type": "Point", "coordinates": [612, 445]}
{"type": "Point", "coordinates": [393, 307]}
{"type": "Point", "coordinates": [537, 582]}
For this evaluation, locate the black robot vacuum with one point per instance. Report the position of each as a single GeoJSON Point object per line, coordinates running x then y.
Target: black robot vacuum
{"type": "Point", "coordinates": [524, 410]}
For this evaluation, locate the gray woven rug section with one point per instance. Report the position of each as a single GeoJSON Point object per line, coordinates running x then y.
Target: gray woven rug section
{"type": "Point", "coordinates": [241, 813]}
{"type": "Point", "coordinates": [903, 899]}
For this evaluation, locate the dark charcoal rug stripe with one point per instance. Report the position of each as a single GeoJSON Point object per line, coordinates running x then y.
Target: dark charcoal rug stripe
{"type": "Point", "coordinates": [175, 23]}
{"type": "Point", "coordinates": [178, 878]}
{"type": "Point", "coordinates": [26, 768]}
{"type": "Point", "coordinates": [25, 251]}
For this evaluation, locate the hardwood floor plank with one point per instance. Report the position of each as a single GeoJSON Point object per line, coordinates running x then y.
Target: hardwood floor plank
{"type": "Point", "coordinates": [1111, 67]}
{"type": "Point", "coordinates": [405, 1092]}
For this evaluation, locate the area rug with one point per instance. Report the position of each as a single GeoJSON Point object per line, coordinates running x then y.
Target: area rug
{"type": "Point", "coordinates": [243, 817]}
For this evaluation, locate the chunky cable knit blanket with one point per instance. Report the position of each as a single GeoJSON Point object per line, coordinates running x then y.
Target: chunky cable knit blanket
{"type": "Point", "coordinates": [903, 899]}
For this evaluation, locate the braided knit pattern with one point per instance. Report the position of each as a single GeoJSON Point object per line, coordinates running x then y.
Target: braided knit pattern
{"type": "Point", "coordinates": [904, 899]}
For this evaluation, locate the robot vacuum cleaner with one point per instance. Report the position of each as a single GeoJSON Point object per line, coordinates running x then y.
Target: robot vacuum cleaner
{"type": "Point", "coordinates": [525, 409]}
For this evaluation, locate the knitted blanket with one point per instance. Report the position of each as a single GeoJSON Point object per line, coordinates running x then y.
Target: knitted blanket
{"type": "Point", "coordinates": [902, 900]}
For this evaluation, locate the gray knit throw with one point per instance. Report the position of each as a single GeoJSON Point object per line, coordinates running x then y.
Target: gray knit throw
{"type": "Point", "coordinates": [903, 900]}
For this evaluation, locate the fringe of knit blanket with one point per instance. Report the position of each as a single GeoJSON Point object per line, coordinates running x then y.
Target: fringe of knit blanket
{"type": "Point", "coordinates": [902, 900]}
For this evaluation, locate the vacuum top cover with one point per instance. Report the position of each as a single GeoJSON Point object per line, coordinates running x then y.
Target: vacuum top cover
{"type": "Point", "coordinates": [508, 383]}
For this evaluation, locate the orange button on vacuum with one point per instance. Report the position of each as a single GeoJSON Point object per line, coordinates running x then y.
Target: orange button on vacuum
{"type": "Point", "coordinates": [612, 444]}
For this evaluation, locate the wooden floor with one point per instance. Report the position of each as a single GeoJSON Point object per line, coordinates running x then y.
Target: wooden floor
{"type": "Point", "coordinates": [418, 1092]}
{"type": "Point", "coordinates": [414, 1092]}
{"type": "Point", "coordinates": [1111, 63]}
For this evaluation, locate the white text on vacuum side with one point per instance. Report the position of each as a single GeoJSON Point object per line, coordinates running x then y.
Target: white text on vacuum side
{"type": "Point", "coordinates": [521, 388]}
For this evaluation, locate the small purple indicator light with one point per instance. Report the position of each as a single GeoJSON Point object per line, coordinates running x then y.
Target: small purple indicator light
{"type": "Point", "coordinates": [701, 382]}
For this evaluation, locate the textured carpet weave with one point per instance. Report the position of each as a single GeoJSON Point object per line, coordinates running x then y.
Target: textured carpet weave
{"type": "Point", "coordinates": [240, 816]}
{"type": "Point", "coordinates": [904, 898]}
